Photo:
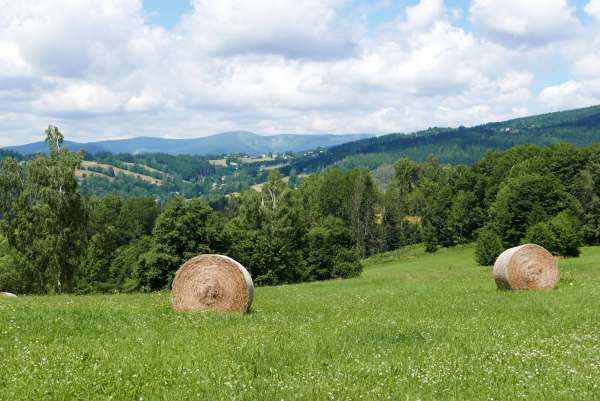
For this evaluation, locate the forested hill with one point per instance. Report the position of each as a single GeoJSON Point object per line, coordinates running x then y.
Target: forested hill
{"type": "Point", "coordinates": [460, 145]}
{"type": "Point", "coordinates": [224, 143]}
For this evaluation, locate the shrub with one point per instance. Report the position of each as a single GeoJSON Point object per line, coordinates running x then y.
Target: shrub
{"type": "Point", "coordinates": [542, 234]}
{"type": "Point", "coordinates": [561, 235]}
{"type": "Point", "coordinates": [488, 246]}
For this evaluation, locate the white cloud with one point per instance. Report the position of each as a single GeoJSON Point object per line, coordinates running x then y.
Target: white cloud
{"type": "Point", "coordinates": [524, 23]}
{"type": "Point", "coordinates": [80, 38]}
{"type": "Point", "coordinates": [424, 14]}
{"type": "Point", "coordinates": [571, 94]}
{"type": "Point", "coordinates": [294, 28]}
{"type": "Point", "coordinates": [99, 70]}
{"type": "Point", "coordinates": [588, 66]}
{"type": "Point", "coordinates": [593, 8]}
{"type": "Point", "coordinates": [11, 61]}
{"type": "Point", "coordinates": [78, 98]}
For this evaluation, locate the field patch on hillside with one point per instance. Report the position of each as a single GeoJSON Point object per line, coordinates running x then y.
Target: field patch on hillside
{"type": "Point", "coordinates": [87, 167]}
{"type": "Point", "coordinates": [413, 327]}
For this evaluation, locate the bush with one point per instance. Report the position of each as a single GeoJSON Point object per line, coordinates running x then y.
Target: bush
{"type": "Point", "coordinates": [561, 235]}
{"type": "Point", "coordinates": [346, 264]}
{"type": "Point", "coordinates": [542, 234]}
{"type": "Point", "coordinates": [488, 247]}
{"type": "Point", "coordinates": [10, 277]}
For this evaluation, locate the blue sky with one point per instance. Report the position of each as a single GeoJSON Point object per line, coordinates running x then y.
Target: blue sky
{"type": "Point", "coordinates": [124, 68]}
{"type": "Point", "coordinates": [168, 12]}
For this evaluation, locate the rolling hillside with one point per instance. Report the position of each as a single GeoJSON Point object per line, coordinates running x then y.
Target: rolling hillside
{"type": "Point", "coordinates": [460, 145]}
{"type": "Point", "coordinates": [224, 143]}
{"type": "Point", "coordinates": [415, 326]}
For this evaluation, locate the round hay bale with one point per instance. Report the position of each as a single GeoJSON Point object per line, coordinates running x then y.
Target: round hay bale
{"type": "Point", "coordinates": [212, 282]}
{"type": "Point", "coordinates": [7, 295]}
{"type": "Point", "coordinates": [526, 267]}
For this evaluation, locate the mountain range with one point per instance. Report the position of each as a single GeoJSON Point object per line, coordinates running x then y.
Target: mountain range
{"type": "Point", "coordinates": [227, 142]}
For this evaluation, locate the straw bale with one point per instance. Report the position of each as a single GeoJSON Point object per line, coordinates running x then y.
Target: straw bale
{"type": "Point", "coordinates": [526, 267]}
{"type": "Point", "coordinates": [212, 282]}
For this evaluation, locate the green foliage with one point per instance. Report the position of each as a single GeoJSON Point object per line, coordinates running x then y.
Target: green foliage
{"type": "Point", "coordinates": [277, 235]}
{"type": "Point", "coordinates": [526, 200]}
{"type": "Point", "coordinates": [10, 277]}
{"type": "Point", "coordinates": [350, 196]}
{"type": "Point", "coordinates": [330, 251]}
{"type": "Point", "coordinates": [315, 228]}
{"type": "Point", "coordinates": [44, 216]}
{"type": "Point", "coordinates": [128, 268]}
{"type": "Point", "coordinates": [561, 235]}
{"type": "Point", "coordinates": [182, 175]}
{"type": "Point", "coordinates": [488, 247]}
{"type": "Point", "coordinates": [185, 228]}
{"type": "Point", "coordinates": [268, 235]}
{"type": "Point", "coordinates": [460, 145]}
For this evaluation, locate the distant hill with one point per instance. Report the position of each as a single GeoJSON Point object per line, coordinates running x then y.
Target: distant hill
{"type": "Point", "coordinates": [224, 143]}
{"type": "Point", "coordinates": [459, 145]}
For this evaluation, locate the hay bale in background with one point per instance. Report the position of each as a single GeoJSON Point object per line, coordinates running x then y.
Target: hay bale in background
{"type": "Point", "coordinates": [212, 282]}
{"type": "Point", "coordinates": [7, 295]}
{"type": "Point", "coordinates": [526, 267]}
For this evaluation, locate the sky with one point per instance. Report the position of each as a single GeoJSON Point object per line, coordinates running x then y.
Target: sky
{"type": "Point", "coordinates": [180, 69]}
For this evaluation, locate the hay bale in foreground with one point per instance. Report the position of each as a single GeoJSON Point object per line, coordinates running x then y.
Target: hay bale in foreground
{"type": "Point", "coordinates": [212, 282]}
{"type": "Point", "coordinates": [7, 295]}
{"type": "Point", "coordinates": [526, 267]}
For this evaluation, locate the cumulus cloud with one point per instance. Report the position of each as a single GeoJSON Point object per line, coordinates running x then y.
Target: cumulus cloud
{"type": "Point", "coordinates": [524, 23]}
{"type": "Point", "coordinates": [293, 28]}
{"type": "Point", "coordinates": [424, 14]}
{"type": "Point", "coordinates": [101, 70]}
{"type": "Point", "coordinates": [593, 9]}
{"type": "Point", "coordinates": [571, 94]}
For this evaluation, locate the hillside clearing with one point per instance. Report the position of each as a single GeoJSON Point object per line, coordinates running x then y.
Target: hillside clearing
{"type": "Point", "coordinates": [414, 326]}
{"type": "Point", "coordinates": [117, 170]}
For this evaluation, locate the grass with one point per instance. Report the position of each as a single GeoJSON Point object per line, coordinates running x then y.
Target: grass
{"type": "Point", "coordinates": [413, 327]}
{"type": "Point", "coordinates": [117, 170]}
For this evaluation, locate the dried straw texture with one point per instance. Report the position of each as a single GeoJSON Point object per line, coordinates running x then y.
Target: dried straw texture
{"type": "Point", "coordinates": [526, 267]}
{"type": "Point", "coordinates": [7, 295]}
{"type": "Point", "coordinates": [212, 282]}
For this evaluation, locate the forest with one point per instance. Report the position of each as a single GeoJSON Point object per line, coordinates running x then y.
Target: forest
{"type": "Point", "coordinates": [56, 239]}
{"type": "Point", "coordinates": [462, 145]}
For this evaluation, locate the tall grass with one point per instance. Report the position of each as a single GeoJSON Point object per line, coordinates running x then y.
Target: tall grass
{"type": "Point", "coordinates": [413, 327]}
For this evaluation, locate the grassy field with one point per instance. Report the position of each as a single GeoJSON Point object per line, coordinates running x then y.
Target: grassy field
{"type": "Point", "coordinates": [413, 327]}
{"type": "Point", "coordinates": [117, 170]}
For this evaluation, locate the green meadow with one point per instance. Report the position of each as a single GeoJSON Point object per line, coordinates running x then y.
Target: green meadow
{"type": "Point", "coordinates": [414, 326]}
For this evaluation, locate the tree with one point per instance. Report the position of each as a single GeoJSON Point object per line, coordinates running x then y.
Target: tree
{"type": "Point", "coordinates": [185, 228]}
{"type": "Point", "coordinates": [464, 217]}
{"type": "Point", "coordinates": [113, 223]}
{"type": "Point", "coordinates": [54, 138]}
{"type": "Point", "coordinates": [397, 209]}
{"type": "Point", "coordinates": [268, 235]}
{"type": "Point", "coordinates": [488, 246]}
{"type": "Point", "coordinates": [432, 201]}
{"type": "Point", "coordinates": [10, 275]}
{"type": "Point", "coordinates": [362, 205]}
{"type": "Point", "coordinates": [128, 269]}
{"type": "Point", "coordinates": [527, 200]}
{"type": "Point", "coordinates": [330, 251]}
{"type": "Point", "coordinates": [561, 235]}
{"type": "Point", "coordinates": [44, 217]}
{"type": "Point", "coordinates": [351, 196]}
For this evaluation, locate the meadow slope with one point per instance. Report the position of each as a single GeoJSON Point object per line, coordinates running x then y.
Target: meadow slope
{"type": "Point", "coordinates": [413, 327]}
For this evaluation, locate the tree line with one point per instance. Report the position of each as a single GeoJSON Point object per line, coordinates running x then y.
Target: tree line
{"type": "Point", "coordinates": [56, 240]}
{"type": "Point", "coordinates": [462, 145]}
